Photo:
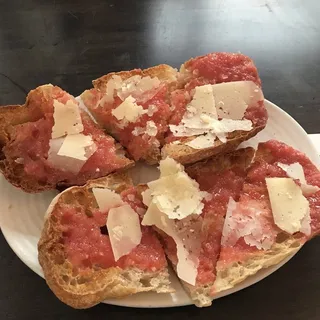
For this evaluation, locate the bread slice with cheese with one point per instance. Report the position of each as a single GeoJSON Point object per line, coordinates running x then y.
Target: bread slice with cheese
{"type": "Point", "coordinates": [187, 208]}
{"type": "Point", "coordinates": [220, 105]}
{"type": "Point", "coordinates": [50, 142]}
{"type": "Point", "coordinates": [85, 230]}
{"type": "Point", "coordinates": [134, 107]}
{"type": "Point", "coordinates": [212, 105]}
{"type": "Point", "coordinates": [278, 211]}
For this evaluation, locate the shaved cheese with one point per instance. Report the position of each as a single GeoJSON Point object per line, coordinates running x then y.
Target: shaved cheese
{"type": "Point", "coordinates": [233, 98]}
{"type": "Point", "coordinates": [247, 221]}
{"type": "Point", "coordinates": [175, 193]}
{"type": "Point", "coordinates": [128, 110]}
{"type": "Point", "coordinates": [113, 84]}
{"type": "Point", "coordinates": [169, 166]}
{"type": "Point", "coordinates": [146, 197]}
{"type": "Point", "coordinates": [106, 199]}
{"type": "Point", "coordinates": [67, 119]}
{"type": "Point", "coordinates": [226, 101]}
{"type": "Point", "coordinates": [74, 153]}
{"type": "Point", "coordinates": [295, 171]}
{"type": "Point", "coordinates": [182, 131]}
{"type": "Point", "coordinates": [124, 230]}
{"type": "Point", "coordinates": [222, 137]}
{"type": "Point", "coordinates": [77, 146]}
{"type": "Point", "coordinates": [306, 224]}
{"type": "Point", "coordinates": [137, 85]}
{"type": "Point", "coordinates": [152, 109]}
{"type": "Point", "coordinates": [151, 129]}
{"type": "Point", "coordinates": [289, 206]}
{"type": "Point", "coordinates": [137, 131]}
{"type": "Point", "coordinates": [308, 189]}
{"type": "Point", "coordinates": [203, 102]}
{"type": "Point", "coordinates": [203, 141]}
{"type": "Point", "coordinates": [188, 241]}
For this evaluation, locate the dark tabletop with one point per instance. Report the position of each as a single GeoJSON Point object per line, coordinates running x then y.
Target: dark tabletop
{"type": "Point", "coordinates": [69, 43]}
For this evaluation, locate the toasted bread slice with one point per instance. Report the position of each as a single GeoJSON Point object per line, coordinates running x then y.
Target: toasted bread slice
{"type": "Point", "coordinates": [238, 262]}
{"type": "Point", "coordinates": [217, 170]}
{"type": "Point", "coordinates": [84, 285]}
{"type": "Point", "coordinates": [225, 171]}
{"type": "Point", "coordinates": [25, 132]}
{"type": "Point", "coordinates": [141, 145]}
{"type": "Point", "coordinates": [213, 68]}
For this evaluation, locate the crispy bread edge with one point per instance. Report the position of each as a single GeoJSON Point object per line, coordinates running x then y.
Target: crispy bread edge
{"type": "Point", "coordinates": [92, 286]}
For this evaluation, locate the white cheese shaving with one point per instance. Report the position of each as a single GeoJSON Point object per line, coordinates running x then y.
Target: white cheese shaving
{"type": "Point", "coordinates": [124, 230]}
{"type": "Point", "coordinates": [188, 242]}
{"type": "Point", "coordinates": [77, 146]}
{"type": "Point", "coordinates": [169, 166]}
{"type": "Point", "coordinates": [202, 142]}
{"type": "Point", "coordinates": [128, 110]}
{"type": "Point", "coordinates": [222, 137]}
{"type": "Point", "coordinates": [67, 119]}
{"type": "Point", "coordinates": [289, 206]}
{"type": "Point", "coordinates": [106, 199]}
{"type": "Point", "coordinates": [75, 155]}
{"type": "Point", "coordinates": [175, 193]}
{"type": "Point", "coordinates": [137, 86]}
{"type": "Point", "coordinates": [295, 171]}
{"type": "Point", "coordinates": [248, 223]}
{"type": "Point", "coordinates": [152, 109]}
{"type": "Point", "coordinates": [233, 98]}
{"type": "Point", "coordinates": [137, 131]}
{"type": "Point", "coordinates": [151, 129]}
{"type": "Point", "coordinates": [112, 86]}
{"type": "Point", "coordinates": [227, 101]}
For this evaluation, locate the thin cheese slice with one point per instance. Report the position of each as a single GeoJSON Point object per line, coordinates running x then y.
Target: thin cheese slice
{"type": "Point", "coordinates": [113, 85]}
{"type": "Point", "coordinates": [233, 98]}
{"type": "Point", "coordinates": [107, 199]}
{"type": "Point", "coordinates": [202, 142]}
{"type": "Point", "coordinates": [137, 86]}
{"type": "Point", "coordinates": [128, 110]}
{"type": "Point", "coordinates": [289, 206]}
{"type": "Point", "coordinates": [124, 230]}
{"type": "Point", "coordinates": [187, 241]}
{"type": "Point", "coordinates": [151, 129]}
{"type": "Point", "coordinates": [77, 146]}
{"type": "Point", "coordinates": [218, 109]}
{"type": "Point", "coordinates": [203, 102]}
{"type": "Point", "coordinates": [67, 119]}
{"type": "Point", "coordinates": [169, 166]}
{"type": "Point", "coordinates": [250, 222]}
{"type": "Point", "coordinates": [68, 162]}
{"type": "Point", "coordinates": [295, 171]}
{"type": "Point", "coordinates": [176, 194]}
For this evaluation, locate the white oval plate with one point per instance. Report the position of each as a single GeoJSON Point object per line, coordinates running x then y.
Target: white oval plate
{"type": "Point", "coordinates": [21, 214]}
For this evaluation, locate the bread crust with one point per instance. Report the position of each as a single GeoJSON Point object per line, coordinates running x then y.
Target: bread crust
{"type": "Point", "coordinates": [230, 275]}
{"type": "Point", "coordinates": [91, 286]}
{"type": "Point", "coordinates": [19, 114]}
